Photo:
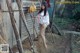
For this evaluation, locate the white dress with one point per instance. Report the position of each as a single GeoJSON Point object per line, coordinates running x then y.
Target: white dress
{"type": "Point", "coordinates": [43, 19]}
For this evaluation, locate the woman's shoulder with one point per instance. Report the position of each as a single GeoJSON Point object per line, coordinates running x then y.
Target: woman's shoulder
{"type": "Point", "coordinates": [42, 13]}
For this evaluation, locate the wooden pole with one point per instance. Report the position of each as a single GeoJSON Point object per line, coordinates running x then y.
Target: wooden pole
{"type": "Point", "coordinates": [19, 3]}
{"type": "Point", "coordinates": [19, 43]}
{"type": "Point", "coordinates": [20, 26]}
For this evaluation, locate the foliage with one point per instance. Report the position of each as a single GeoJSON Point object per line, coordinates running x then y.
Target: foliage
{"type": "Point", "coordinates": [70, 20]}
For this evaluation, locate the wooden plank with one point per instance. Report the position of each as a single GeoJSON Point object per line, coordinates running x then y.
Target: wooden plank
{"type": "Point", "coordinates": [19, 43]}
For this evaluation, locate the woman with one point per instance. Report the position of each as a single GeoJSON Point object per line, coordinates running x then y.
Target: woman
{"type": "Point", "coordinates": [43, 19]}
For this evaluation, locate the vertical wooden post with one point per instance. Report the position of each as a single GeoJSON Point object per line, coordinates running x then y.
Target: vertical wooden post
{"type": "Point", "coordinates": [20, 25]}
{"type": "Point", "coordinates": [19, 3]}
{"type": "Point", "coordinates": [22, 16]}
{"type": "Point", "coordinates": [19, 43]}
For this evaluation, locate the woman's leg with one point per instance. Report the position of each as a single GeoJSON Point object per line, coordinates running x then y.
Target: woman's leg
{"type": "Point", "coordinates": [42, 33]}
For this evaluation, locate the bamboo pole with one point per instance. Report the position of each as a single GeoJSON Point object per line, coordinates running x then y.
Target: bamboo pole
{"type": "Point", "coordinates": [20, 25]}
{"type": "Point", "coordinates": [19, 43]}
{"type": "Point", "coordinates": [19, 3]}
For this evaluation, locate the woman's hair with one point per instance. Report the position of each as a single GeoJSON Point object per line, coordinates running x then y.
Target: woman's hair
{"type": "Point", "coordinates": [45, 10]}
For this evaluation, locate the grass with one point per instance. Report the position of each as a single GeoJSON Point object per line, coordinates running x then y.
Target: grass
{"type": "Point", "coordinates": [62, 23]}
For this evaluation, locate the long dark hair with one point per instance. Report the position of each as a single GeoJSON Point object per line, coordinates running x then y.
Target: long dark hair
{"type": "Point", "coordinates": [45, 10]}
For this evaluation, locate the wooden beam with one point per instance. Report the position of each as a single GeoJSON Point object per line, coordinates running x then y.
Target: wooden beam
{"type": "Point", "coordinates": [20, 26]}
{"type": "Point", "coordinates": [19, 3]}
{"type": "Point", "coordinates": [19, 43]}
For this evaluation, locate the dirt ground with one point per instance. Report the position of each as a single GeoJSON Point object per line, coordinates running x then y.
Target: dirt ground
{"type": "Point", "coordinates": [54, 43]}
